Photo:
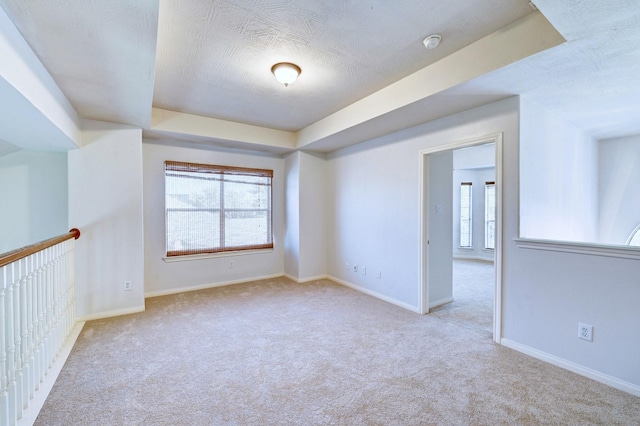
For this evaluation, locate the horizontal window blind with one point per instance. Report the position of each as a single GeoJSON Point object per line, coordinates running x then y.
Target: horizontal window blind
{"type": "Point", "coordinates": [211, 208]}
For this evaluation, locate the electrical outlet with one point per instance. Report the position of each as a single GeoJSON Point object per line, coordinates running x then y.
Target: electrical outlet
{"type": "Point", "coordinates": [363, 270]}
{"type": "Point", "coordinates": [585, 332]}
{"type": "Point", "coordinates": [346, 265]}
{"type": "Point", "coordinates": [379, 274]}
{"type": "Point", "coordinates": [355, 268]}
{"type": "Point", "coordinates": [232, 264]}
{"type": "Point", "coordinates": [127, 286]}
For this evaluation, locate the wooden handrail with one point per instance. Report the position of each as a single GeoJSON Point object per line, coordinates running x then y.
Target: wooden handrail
{"type": "Point", "coordinates": [23, 252]}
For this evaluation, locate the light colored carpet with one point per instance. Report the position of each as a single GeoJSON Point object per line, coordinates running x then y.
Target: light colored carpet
{"type": "Point", "coordinates": [274, 352]}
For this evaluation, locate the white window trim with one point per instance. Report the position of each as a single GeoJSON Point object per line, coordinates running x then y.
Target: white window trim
{"type": "Point", "coordinates": [632, 235]}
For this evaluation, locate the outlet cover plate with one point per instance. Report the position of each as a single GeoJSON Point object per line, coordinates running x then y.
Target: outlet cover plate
{"type": "Point", "coordinates": [585, 332]}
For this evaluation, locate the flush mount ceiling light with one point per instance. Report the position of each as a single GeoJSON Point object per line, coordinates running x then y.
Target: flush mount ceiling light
{"type": "Point", "coordinates": [432, 41]}
{"type": "Point", "coordinates": [286, 72]}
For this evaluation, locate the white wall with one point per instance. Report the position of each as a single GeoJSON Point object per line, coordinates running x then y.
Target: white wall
{"type": "Point", "coordinates": [306, 233]}
{"type": "Point", "coordinates": [374, 221]}
{"type": "Point", "coordinates": [619, 189]}
{"type": "Point", "coordinates": [440, 215]}
{"type": "Point", "coordinates": [313, 224]}
{"type": "Point", "coordinates": [558, 178]}
{"type": "Point", "coordinates": [292, 216]}
{"type": "Point", "coordinates": [105, 203]}
{"type": "Point", "coordinates": [478, 178]}
{"type": "Point", "coordinates": [374, 199]}
{"type": "Point", "coordinates": [546, 293]}
{"type": "Point", "coordinates": [163, 277]}
{"type": "Point", "coordinates": [33, 194]}
{"type": "Point", "coordinates": [475, 157]}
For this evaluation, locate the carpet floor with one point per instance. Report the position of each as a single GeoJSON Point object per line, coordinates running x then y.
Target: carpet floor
{"type": "Point", "coordinates": [274, 352]}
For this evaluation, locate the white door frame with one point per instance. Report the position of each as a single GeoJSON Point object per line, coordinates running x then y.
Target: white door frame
{"type": "Point", "coordinates": [424, 228]}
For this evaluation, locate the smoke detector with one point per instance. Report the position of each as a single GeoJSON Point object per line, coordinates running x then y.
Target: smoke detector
{"type": "Point", "coordinates": [432, 41]}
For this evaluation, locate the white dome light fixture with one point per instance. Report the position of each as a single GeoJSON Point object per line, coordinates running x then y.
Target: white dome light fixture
{"type": "Point", "coordinates": [286, 72]}
{"type": "Point", "coordinates": [432, 41]}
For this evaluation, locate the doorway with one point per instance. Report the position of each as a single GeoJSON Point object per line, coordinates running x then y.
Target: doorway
{"type": "Point", "coordinates": [437, 225]}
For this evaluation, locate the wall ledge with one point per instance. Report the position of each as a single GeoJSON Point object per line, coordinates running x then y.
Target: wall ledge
{"type": "Point", "coordinates": [592, 249]}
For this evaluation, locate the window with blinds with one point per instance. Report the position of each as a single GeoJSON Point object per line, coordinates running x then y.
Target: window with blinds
{"type": "Point", "coordinates": [490, 215]}
{"type": "Point", "coordinates": [211, 209]}
{"type": "Point", "coordinates": [465, 215]}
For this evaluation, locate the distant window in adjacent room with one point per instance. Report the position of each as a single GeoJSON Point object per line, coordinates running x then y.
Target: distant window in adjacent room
{"type": "Point", "coordinates": [465, 215]}
{"type": "Point", "coordinates": [490, 215]}
{"type": "Point", "coordinates": [634, 238]}
{"type": "Point", "coordinates": [211, 209]}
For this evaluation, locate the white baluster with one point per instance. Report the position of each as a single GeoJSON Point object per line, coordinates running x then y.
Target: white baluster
{"type": "Point", "coordinates": [4, 394]}
{"type": "Point", "coordinates": [32, 294]}
{"type": "Point", "coordinates": [37, 321]}
{"type": "Point", "coordinates": [37, 313]}
{"type": "Point", "coordinates": [47, 311]}
{"type": "Point", "coordinates": [24, 327]}
{"type": "Point", "coordinates": [69, 320]}
{"type": "Point", "coordinates": [56, 306]}
{"type": "Point", "coordinates": [11, 344]}
{"type": "Point", "coordinates": [17, 323]}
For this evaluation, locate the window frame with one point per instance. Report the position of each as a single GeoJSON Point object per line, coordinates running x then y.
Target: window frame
{"type": "Point", "coordinates": [219, 172]}
{"type": "Point", "coordinates": [635, 233]}
{"type": "Point", "coordinates": [469, 221]}
{"type": "Point", "coordinates": [487, 220]}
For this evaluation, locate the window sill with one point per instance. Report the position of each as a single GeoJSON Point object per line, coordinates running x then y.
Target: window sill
{"type": "Point", "coordinates": [593, 249]}
{"type": "Point", "coordinates": [186, 258]}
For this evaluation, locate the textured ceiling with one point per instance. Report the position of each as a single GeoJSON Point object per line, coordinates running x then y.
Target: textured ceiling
{"type": "Point", "coordinates": [115, 60]}
{"type": "Point", "coordinates": [100, 53]}
{"type": "Point", "coordinates": [593, 80]}
{"type": "Point", "coordinates": [214, 57]}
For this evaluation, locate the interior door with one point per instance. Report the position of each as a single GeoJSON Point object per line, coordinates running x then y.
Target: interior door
{"type": "Point", "coordinates": [440, 229]}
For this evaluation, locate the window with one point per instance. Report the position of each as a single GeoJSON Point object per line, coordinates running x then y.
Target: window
{"type": "Point", "coordinates": [211, 209]}
{"type": "Point", "coordinates": [634, 238]}
{"type": "Point", "coordinates": [465, 214]}
{"type": "Point", "coordinates": [490, 215]}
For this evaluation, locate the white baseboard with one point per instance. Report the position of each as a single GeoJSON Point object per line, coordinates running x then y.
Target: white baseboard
{"type": "Point", "coordinates": [614, 382]}
{"type": "Point", "coordinates": [374, 294]}
{"type": "Point", "coordinates": [473, 257]}
{"type": "Point", "coordinates": [206, 286]}
{"type": "Point", "coordinates": [114, 313]}
{"type": "Point", "coordinates": [308, 279]}
{"type": "Point", "coordinates": [440, 302]}
{"type": "Point", "coordinates": [39, 398]}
